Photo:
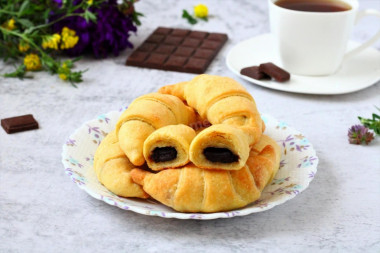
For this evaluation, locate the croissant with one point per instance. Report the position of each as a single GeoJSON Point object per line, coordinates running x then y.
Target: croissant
{"type": "Point", "coordinates": [168, 147]}
{"type": "Point", "coordinates": [192, 189]}
{"type": "Point", "coordinates": [113, 169]}
{"type": "Point", "coordinates": [146, 114]}
{"type": "Point", "coordinates": [221, 100]}
{"type": "Point", "coordinates": [220, 146]}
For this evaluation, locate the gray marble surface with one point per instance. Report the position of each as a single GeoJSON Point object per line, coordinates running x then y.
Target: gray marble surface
{"type": "Point", "coordinates": [42, 211]}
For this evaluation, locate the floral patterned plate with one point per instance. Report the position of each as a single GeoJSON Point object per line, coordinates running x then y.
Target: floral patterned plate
{"type": "Point", "coordinates": [297, 169]}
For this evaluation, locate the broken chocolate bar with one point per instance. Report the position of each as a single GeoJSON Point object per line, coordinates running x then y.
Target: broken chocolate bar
{"type": "Point", "coordinates": [275, 72]}
{"type": "Point", "coordinates": [178, 50]}
{"type": "Point", "coordinates": [19, 124]}
{"type": "Point", "coordinates": [254, 72]}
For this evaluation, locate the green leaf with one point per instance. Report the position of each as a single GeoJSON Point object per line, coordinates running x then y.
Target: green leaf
{"type": "Point", "coordinates": [25, 22]}
{"type": "Point", "coordinates": [89, 16]}
{"type": "Point", "coordinates": [188, 17]}
{"type": "Point", "coordinates": [23, 7]}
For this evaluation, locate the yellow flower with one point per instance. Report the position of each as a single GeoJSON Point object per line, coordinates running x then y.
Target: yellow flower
{"type": "Point", "coordinates": [51, 41]}
{"type": "Point", "coordinates": [201, 11]}
{"type": "Point", "coordinates": [9, 25]}
{"type": "Point", "coordinates": [23, 47]}
{"type": "Point", "coordinates": [32, 62]}
{"type": "Point", "coordinates": [69, 38]}
{"type": "Point", "coordinates": [63, 76]}
{"type": "Point", "coordinates": [90, 2]}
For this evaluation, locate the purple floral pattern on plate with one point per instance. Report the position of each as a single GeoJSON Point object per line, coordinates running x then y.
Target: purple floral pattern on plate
{"type": "Point", "coordinates": [298, 168]}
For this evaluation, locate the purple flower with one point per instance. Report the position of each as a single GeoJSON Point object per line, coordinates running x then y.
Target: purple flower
{"type": "Point", "coordinates": [358, 134]}
{"type": "Point", "coordinates": [110, 33]}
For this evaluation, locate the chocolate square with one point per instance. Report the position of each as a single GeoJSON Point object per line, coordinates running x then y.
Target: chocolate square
{"type": "Point", "coordinates": [146, 47]}
{"type": "Point", "coordinates": [162, 30]}
{"type": "Point", "coordinates": [179, 32]}
{"type": "Point", "coordinates": [254, 72]}
{"type": "Point", "coordinates": [137, 58]}
{"type": "Point", "coordinates": [217, 36]}
{"type": "Point", "coordinates": [184, 51]}
{"type": "Point", "coordinates": [155, 38]}
{"type": "Point", "coordinates": [211, 44]}
{"type": "Point", "coordinates": [190, 42]}
{"type": "Point", "coordinates": [164, 49]}
{"type": "Point", "coordinates": [198, 35]}
{"type": "Point", "coordinates": [173, 40]}
{"type": "Point", "coordinates": [175, 63]}
{"type": "Point", "coordinates": [197, 66]}
{"type": "Point", "coordinates": [156, 60]}
{"type": "Point", "coordinates": [19, 124]}
{"type": "Point", "coordinates": [204, 53]}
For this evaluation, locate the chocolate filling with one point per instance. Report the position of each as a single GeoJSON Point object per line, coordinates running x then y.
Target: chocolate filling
{"type": "Point", "coordinates": [220, 155]}
{"type": "Point", "coordinates": [163, 154]}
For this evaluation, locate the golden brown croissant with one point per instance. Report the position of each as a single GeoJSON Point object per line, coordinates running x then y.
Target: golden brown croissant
{"type": "Point", "coordinates": [192, 189]}
{"type": "Point", "coordinates": [146, 114]}
{"type": "Point", "coordinates": [221, 100]}
{"type": "Point", "coordinates": [168, 147]}
{"type": "Point", "coordinates": [113, 169]}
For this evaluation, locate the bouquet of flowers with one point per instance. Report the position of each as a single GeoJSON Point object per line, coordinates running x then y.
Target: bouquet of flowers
{"type": "Point", "coordinates": [33, 33]}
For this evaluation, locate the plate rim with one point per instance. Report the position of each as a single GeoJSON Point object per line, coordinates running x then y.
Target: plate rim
{"type": "Point", "coordinates": [174, 214]}
{"type": "Point", "coordinates": [284, 88]}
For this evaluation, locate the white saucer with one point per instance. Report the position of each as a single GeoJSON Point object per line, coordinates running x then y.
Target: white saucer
{"type": "Point", "coordinates": [357, 73]}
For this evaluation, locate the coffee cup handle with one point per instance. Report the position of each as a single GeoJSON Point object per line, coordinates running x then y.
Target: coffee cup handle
{"type": "Point", "coordinates": [368, 43]}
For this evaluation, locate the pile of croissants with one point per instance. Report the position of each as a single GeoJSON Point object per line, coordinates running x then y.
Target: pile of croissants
{"type": "Point", "coordinates": [162, 148]}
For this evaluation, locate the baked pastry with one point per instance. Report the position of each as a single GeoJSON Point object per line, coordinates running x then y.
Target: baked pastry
{"type": "Point", "coordinates": [146, 114]}
{"type": "Point", "coordinates": [113, 169]}
{"type": "Point", "coordinates": [192, 189]}
{"type": "Point", "coordinates": [168, 147]}
{"type": "Point", "coordinates": [221, 100]}
{"type": "Point", "coordinates": [220, 146]}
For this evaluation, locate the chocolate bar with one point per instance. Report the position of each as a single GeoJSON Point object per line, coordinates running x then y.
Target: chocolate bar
{"type": "Point", "coordinates": [275, 72]}
{"type": "Point", "coordinates": [19, 124]}
{"type": "Point", "coordinates": [254, 72]}
{"type": "Point", "coordinates": [179, 50]}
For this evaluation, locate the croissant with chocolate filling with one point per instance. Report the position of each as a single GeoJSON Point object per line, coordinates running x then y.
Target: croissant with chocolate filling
{"type": "Point", "coordinates": [221, 100]}
{"type": "Point", "coordinates": [113, 169]}
{"type": "Point", "coordinates": [192, 189]}
{"type": "Point", "coordinates": [168, 147]}
{"type": "Point", "coordinates": [146, 114]}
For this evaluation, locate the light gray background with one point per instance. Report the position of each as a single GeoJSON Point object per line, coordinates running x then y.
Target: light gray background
{"type": "Point", "coordinates": [41, 210]}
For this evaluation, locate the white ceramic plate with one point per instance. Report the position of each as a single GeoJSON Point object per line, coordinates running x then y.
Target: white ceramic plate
{"type": "Point", "coordinates": [297, 169]}
{"type": "Point", "coordinates": [357, 73]}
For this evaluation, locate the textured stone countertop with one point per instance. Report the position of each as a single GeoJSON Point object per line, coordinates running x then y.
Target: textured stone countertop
{"type": "Point", "coordinates": [41, 210]}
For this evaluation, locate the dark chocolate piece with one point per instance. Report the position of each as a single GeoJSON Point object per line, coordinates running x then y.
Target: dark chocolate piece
{"type": "Point", "coordinates": [220, 155]}
{"type": "Point", "coordinates": [137, 58]}
{"type": "Point", "coordinates": [173, 40]}
{"type": "Point", "coordinates": [155, 38]}
{"type": "Point", "coordinates": [218, 37]}
{"type": "Point", "coordinates": [190, 42]}
{"type": "Point", "coordinates": [164, 49]}
{"type": "Point", "coordinates": [197, 66]}
{"type": "Point", "coordinates": [19, 124]}
{"type": "Point", "coordinates": [147, 47]}
{"type": "Point", "coordinates": [275, 72]}
{"type": "Point", "coordinates": [254, 72]}
{"type": "Point", "coordinates": [178, 50]}
{"type": "Point", "coordinates": [198, 35]}
{"type": "Point", "coordinates": [184, 51]}
{"type": "Point", "coordinates": [155, 60]}
{"type": "Point", "coordinates": [162, 30]}
{"type": "Point", "coordinates": [163, 154]}
{"type": "Point", "coordinates": [180, 32]}
{"type": "Point", "coordinates": [204, 53]}
{"type": "Point", "coordinates": [175, 63]}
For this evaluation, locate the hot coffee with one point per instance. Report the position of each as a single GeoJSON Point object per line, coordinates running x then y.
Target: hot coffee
{"type": "Point", "coordinates": [314, 5]}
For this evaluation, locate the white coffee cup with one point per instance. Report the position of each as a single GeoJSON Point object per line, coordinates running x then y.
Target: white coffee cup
{"type": "Point", "coordinates": [314, 43]}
